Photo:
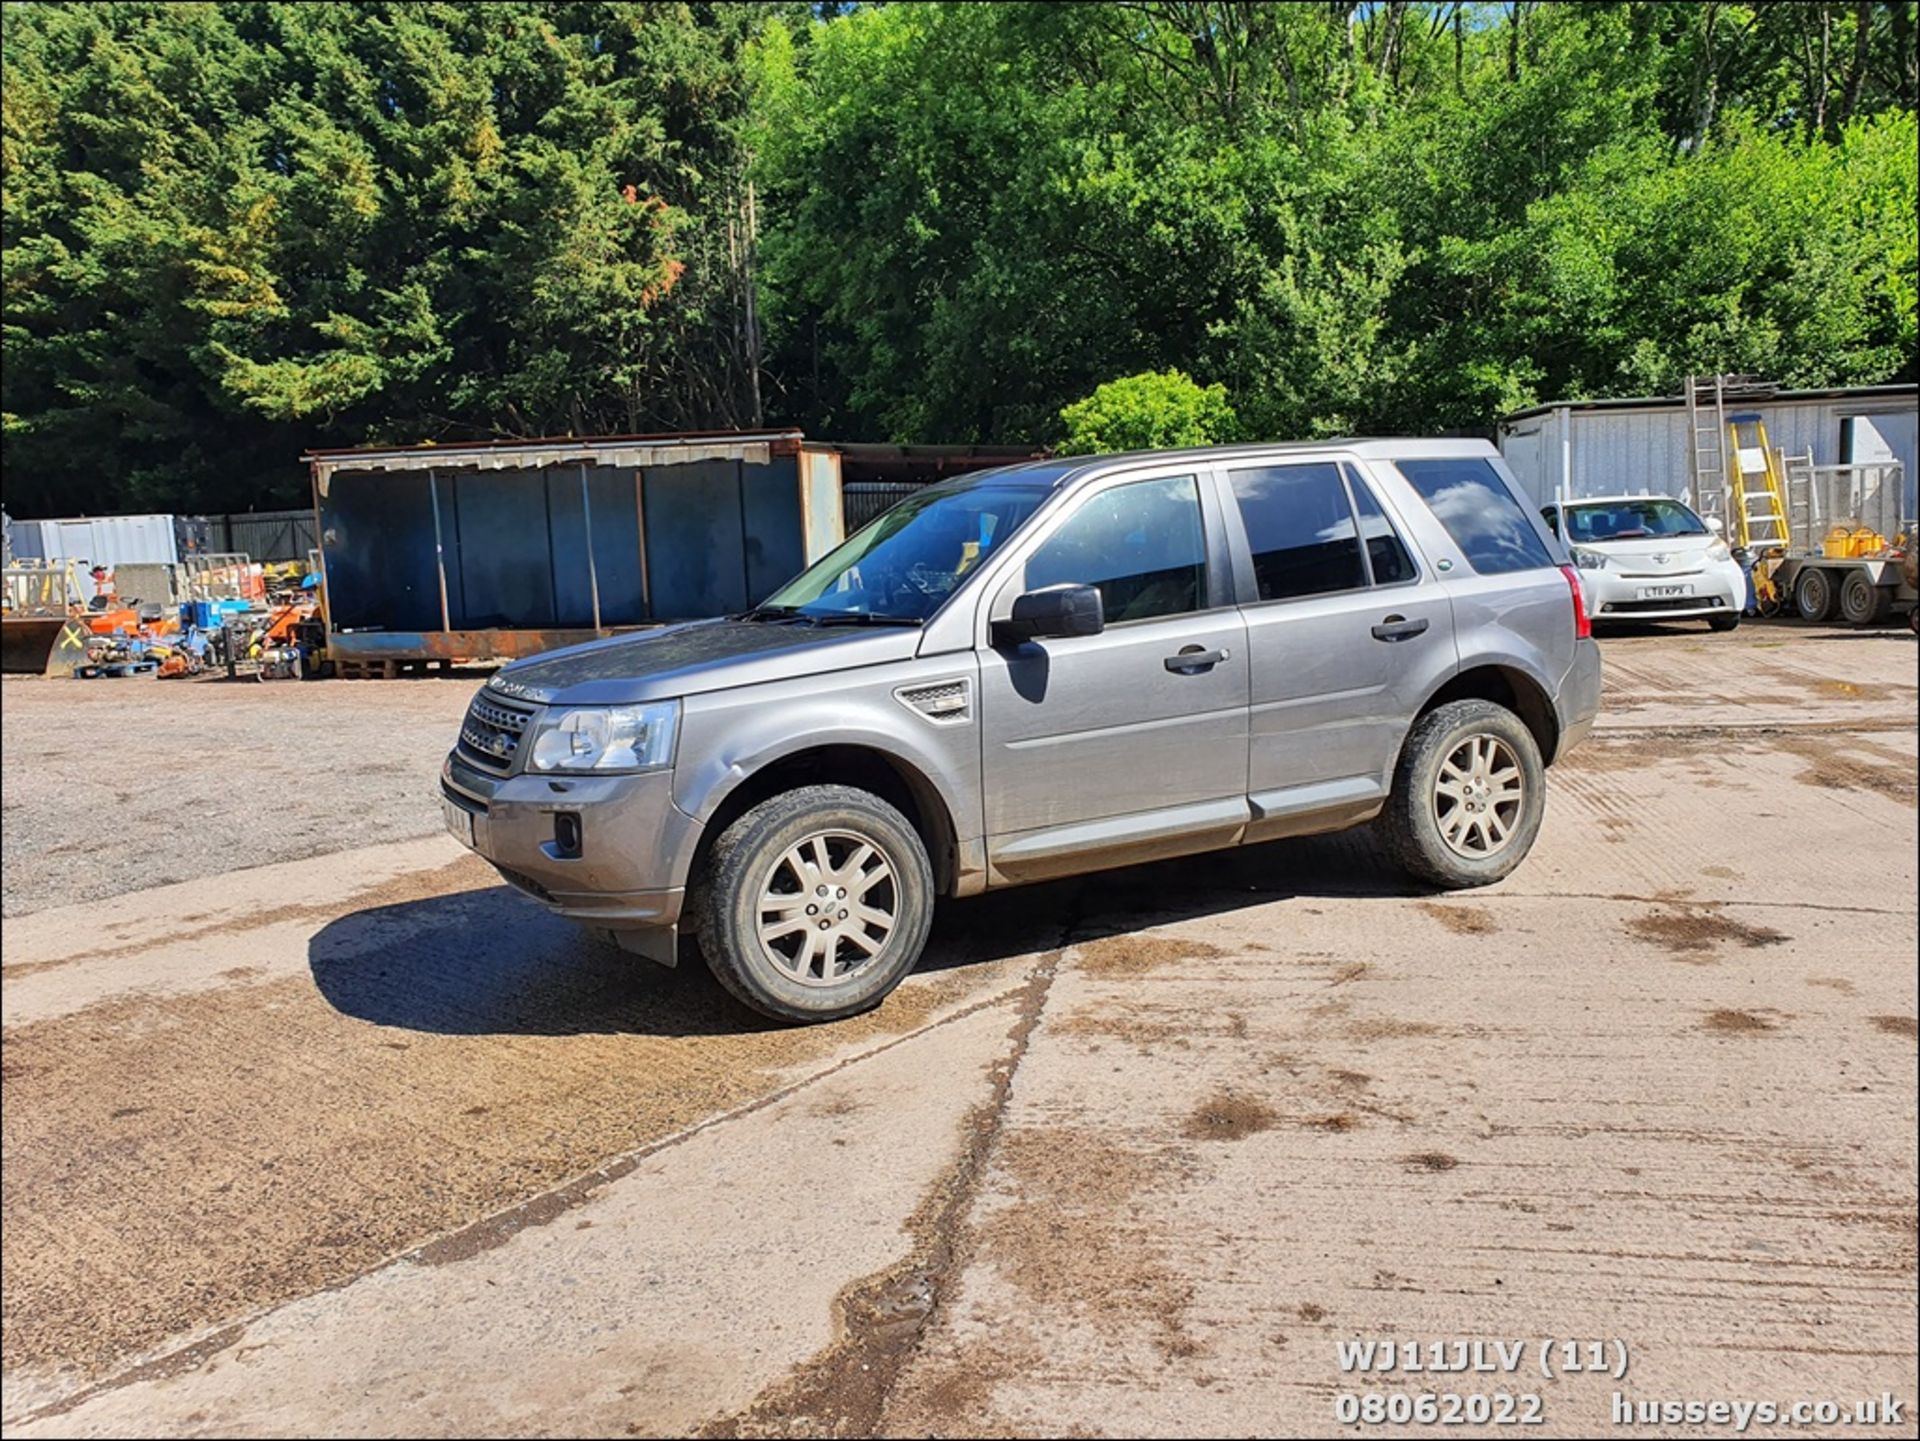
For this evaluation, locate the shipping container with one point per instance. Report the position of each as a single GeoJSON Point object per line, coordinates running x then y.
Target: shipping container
{"type": "Point", "coordinates": [107, 540]}
{"type": "Point", "coordinates": [502, 549]}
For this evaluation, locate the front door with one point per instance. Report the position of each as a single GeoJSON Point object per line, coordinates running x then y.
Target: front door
{"type": "Point", "coordinates": [1130, 744]}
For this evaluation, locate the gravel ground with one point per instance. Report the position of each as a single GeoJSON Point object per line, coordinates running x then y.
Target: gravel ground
{"type": "Point", "coordinates": [119, 785]}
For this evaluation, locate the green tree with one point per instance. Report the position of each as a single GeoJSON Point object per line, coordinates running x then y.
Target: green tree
{"type": "Point", "coordinates": [236, 230]}
{"type": "Point", "coordinates": [230, 231]}
{"type": "Point", "coordinates": [1151, 411]}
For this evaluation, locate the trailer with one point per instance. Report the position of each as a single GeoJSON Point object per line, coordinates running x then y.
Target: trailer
{"type": "Point", "coordinates": [1849, 550]}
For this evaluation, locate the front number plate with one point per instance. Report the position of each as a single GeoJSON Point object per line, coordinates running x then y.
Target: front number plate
{"type": "Point", "coordinates": [459, 822]}
{"type": "Point", "coordinates": [1664, 592]}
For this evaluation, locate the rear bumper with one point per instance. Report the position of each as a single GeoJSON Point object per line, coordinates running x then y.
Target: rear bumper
{"type": "Point", "coordinates": [634, 851]}
{"type": "Point", "coordinates": [1578, 703]}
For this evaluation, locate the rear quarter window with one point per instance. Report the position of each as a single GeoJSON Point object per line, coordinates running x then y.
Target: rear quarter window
{"type": "Point", "coordinates": [1468, 497]}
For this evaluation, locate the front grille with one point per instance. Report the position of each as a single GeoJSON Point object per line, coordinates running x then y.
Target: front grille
{"type": "Point", "coordinates": [1672, 602]}
{"type": "Point", "coordinates": [490, 735]}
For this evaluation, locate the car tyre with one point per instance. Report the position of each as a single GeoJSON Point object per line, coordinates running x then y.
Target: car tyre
{"type": "Point", "coordinates": [1469, 794]}
{"type": "Point", "coordinates": [1814, 595]}
{"type": "Point", "coordinates": [1862, 602]}
{"type": "Point", "coordinates": [1723, 622]}
{"type": "Point", "coordinates": [794, 951]}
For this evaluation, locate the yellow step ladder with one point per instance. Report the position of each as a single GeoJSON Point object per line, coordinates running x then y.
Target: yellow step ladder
{"type": "Point", "coordinates": [1757, 490]}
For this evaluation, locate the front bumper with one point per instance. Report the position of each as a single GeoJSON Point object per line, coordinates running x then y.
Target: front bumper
{"type": "Point", "coordinates": [1717, 588]}
{"type": "Point", "coordinates": [627, 865]}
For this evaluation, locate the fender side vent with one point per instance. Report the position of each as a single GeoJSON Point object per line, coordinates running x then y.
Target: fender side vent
{"type": "Point", "coordinates": [944, 702]}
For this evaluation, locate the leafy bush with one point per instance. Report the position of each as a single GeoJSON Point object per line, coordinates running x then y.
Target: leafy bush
{"type": "Point", "coordinates": [1155, 410]}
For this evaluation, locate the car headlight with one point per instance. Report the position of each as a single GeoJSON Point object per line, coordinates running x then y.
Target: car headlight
{"type": "Point", "coordinates": [1588, 559]}
{"type": "Point", "coordinates": [606, 738]}
{"type": "Point", "coordinates": [1719, 550]}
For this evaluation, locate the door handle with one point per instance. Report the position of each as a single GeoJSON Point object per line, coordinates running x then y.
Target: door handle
{"type": "Point", "coordinates": [1193, 659]}
{"type": "Point", "coordinates": [1398, 627]}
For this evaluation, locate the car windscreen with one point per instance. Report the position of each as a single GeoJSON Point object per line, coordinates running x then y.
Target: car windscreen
{"type": "Point", "coordinates": [1631, 520]}
{"type": "Point", "coordinates": [904, 565]}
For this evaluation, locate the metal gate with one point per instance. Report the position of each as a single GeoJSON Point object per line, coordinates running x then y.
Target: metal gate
{"type": "Point", "coordinates": [862, 500]}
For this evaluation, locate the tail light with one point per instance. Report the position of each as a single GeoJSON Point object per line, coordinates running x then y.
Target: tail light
{"type": "Point", "coordinates": [1582, 624]}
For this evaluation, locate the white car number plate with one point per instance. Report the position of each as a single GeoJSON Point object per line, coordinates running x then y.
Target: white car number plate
{"type": "Point", "coordinates": [459, 822]}
{"type": "Point", "coordinates": [1664, 592]}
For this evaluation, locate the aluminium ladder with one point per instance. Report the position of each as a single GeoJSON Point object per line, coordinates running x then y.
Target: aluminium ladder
{"type": "Point", "coordinates": [1707, 425]}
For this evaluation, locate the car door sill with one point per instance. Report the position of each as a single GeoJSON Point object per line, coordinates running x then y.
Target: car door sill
{"type": "Point", "coordinates": [1117, 840]}
{"type": "Point", "coordinates": [1320, 806]}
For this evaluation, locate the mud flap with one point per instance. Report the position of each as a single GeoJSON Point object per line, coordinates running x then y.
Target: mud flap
{"type": "Point", "coordinates": [659, 944]}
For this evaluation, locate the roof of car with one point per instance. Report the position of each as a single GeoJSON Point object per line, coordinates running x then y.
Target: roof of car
{"type": "Point", "coordinates": [1060, 469]}
{"type": "Point", "coordinates": [1618, 500]}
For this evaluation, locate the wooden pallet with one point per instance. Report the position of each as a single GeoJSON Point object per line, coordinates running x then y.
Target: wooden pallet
{"type": "Point", "coordinates": [386, 669]}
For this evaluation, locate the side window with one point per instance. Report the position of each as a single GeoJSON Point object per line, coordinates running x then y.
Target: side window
{"type": "Point", "coordinates": [1386, 552]}
{"type": "Point", "coordinates": [1469, 498]}
{"type": "Point", "coordinates": [1300, 530]}
{"type": "Point", "coordinates": [1140, 543]}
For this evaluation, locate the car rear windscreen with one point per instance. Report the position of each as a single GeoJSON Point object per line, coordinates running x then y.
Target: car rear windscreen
{"type": "Point", "coordinates": [1492, 529]}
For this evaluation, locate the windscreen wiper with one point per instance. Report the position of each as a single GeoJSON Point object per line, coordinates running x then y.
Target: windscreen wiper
{"type": "Point", "coordinates": [861, 617]}
{"type": "Point", "coordinates": [770, 612]}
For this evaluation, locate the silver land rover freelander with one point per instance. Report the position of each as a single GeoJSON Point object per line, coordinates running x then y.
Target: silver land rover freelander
{"type": "Point", "coordinates": [1041, 670]}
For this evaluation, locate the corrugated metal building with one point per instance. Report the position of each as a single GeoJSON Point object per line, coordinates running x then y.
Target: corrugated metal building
{"type": "Point", "coordinates": [1644, 446]}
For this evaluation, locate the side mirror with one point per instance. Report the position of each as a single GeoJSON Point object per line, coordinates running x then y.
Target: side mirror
{"type": "Point", "coordinates": [1059, 610]}
{"type": "Point", "coordinates": [1715, 524]}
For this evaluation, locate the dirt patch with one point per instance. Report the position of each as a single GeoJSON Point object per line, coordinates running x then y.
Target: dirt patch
{"type": "Point", "coordinates": [1429, 1161]}
{"type": "Point", "coordinates": [1391, 1030]}
{"type": "Point", "coordinates": [1604, 754]}
{"type": "Point", "coordinates": [1151, 1028]}
{"type": "Point", "coordinates": [1851, 764]}
{"type": "Point", "coordinates": [1834, 983]}
{"type": "Point", "coordinates": [1737, 1023]}
{"type": "Point", "coordinates": [1462, 920]}
{"type": "Point", "coordinates": [959, 1390]}
{"type": "Point", "coordinates": [179, 1159]}
{"type": "Point", "coordinates": [1697, 933]}
{"type": "Point", "coordinates": [1073, 1240]}
{"type": "Point", "coordinates": [1338, 1122]}
{"type": "Point", "coordinates": [1132, 955]}
{"type": "Point", "coordinates": [1906, 1026]}
{"type": "Point", "coordinates": [1830, 688]}
{"type": "Point", "coordinates": [1229, 1117]}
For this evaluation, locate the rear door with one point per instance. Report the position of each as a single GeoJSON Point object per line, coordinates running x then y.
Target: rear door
{"type": "Point", "coordinates": [1131, 743]}
{"type": "Point", "coordinates": [1347, 634]}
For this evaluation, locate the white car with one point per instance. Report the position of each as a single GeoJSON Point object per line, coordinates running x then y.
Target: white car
{"type": "Point", "coordinates": [1645, 557]}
